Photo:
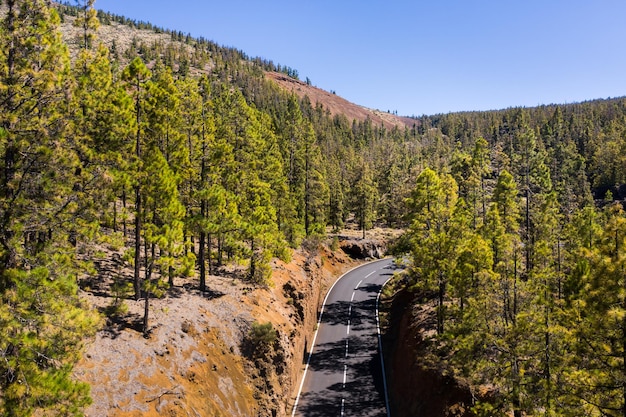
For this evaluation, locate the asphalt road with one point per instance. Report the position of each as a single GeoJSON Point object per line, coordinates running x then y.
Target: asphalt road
{"type": "Point", "coordinates": [343, 375]}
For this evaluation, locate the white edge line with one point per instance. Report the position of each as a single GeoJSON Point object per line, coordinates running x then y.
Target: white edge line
{"type": "Point", "coordinates": [319, 322]}
{"type": "Point", "coordinates": [380, 348]}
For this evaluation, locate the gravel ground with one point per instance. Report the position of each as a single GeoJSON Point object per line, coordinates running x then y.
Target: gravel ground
{"type": "Point", "coordinates": [133, 375]}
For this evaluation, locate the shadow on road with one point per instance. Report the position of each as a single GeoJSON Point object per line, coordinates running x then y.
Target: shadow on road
{"type": "Point", "coordinates": [363, 393]}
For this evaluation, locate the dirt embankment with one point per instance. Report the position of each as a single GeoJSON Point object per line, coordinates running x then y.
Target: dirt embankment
{"type": "Point", "coordinates": [418, 388]}
{"type": "Point", "coordinates": [193, 362]}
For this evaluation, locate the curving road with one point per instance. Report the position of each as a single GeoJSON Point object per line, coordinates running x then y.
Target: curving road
{"type": "Point", "coordinates": [343, 374]}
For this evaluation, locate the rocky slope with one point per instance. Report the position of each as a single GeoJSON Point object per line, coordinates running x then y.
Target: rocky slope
{"type": "Point", "coordinates": [195, 361]}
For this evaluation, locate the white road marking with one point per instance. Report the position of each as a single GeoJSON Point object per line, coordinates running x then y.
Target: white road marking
{"type": "Point", "coordinates": [380, 349]}
{"type": "Point", "coordinates": [319, 322]}
{"type": "Point", "coordinates": [343, 402]}
{"type": "Point", "coordinates": [370, 274]}
{"type": "Point", "coordinates": [345, 374]}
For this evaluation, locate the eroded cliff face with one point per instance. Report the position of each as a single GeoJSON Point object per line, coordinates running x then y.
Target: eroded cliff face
{"type": "Point", "coordinates": [299, 288]}
{"type": "Point", "coordinates": [418, 388]}
{"type": "Point", "coordinates": [302, 285]}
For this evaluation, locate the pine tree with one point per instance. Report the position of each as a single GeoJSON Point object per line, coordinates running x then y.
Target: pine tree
{"type": "Point", "coordinates": [87, 21]}
{"type": "Point", "coordinates": [250, 165]}
{"type": "Point", "coordinates": [197, 124]}
{"type": "Point", "coordinates": [41, 319]}
{"type": "Point", "coordinates": [337, 197]}
{"type": "Point", "coordinates": [163, 225]}
{"type": "Point", "coordinates": [599, 377]}
{"type": "Point", "coordinates": [364, 198]}
{"type": "Point", "coordinates": [163, 211]}
{"type": "Point", "coordinates": [506, 328]}
{"type": "Point", "coordinates": [544, 331]}
{"type": "Point", "coordinates": [136, 74]}
{"type": "Point", "coordinates": [101, 113]}
{"type": "Point", "coordinates": [433, 242]}
{"type": "Point", "coordinates": [315, 187]}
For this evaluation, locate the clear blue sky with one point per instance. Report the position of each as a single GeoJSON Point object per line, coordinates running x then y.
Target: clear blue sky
{"type": "Point", "coordinates": [420, 57]}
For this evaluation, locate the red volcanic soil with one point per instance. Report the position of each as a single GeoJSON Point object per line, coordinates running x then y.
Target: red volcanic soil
{"type": "Point", "coordinates": [338, 105]}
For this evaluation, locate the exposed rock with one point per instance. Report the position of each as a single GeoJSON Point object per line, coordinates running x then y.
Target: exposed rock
{"type": "Point", "coordinates": [363, 248]}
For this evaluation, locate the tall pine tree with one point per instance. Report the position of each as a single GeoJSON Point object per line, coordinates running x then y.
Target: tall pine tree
{"type": "Point", "coordinates": [41, 320]}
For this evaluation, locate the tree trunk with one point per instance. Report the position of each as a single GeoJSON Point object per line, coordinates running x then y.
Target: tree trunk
{"type": "Point", "coordinates": [623, 302]}
{"type": "Point", "coordinates": [252, 261]}
{"type": "Point", "coordinates": [137, 277]}
{"type": "Point", "coordinates": [220, 243]}
{"type": "Point", "coordinates": [146, 310]}
{"type": "Point", "coordinates": [484, 198]}
{"type": "Point", "coordinates": [441, 296]}
{"type": "Point", "coordinates": [115, 215]}
{"type": "Point", "coordinates": [124, 216]}
{"type": "Point", "coordinates": [209, 250]}
{"type": "Point", "coordinates": [202, 249]}
{"type": "Point", "coordinates": [547, 366]}
{"type": "Point", "coordinates": [202, 262]}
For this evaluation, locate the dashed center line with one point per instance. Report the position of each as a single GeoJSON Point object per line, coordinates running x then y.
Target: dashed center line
{"type": "Point", "coordinates": [347, 353]}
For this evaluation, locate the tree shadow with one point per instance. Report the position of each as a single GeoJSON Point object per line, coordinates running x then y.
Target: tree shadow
{"type": "Point", "coordinates": [115, 324]}
{"type": "Point", "coordinates": [192, 288]}
{"type": "Point", "coordinates": [325, 403]}
{"type": "Point", "coordinates": [363, 394]}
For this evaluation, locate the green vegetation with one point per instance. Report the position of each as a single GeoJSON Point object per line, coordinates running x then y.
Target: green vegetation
{"type": "Point", "coordinates": [185, 151]}
{"type": "Point", "coordinates": [528, 285]}
{"type": "Point", "coordinates": [260, 339]}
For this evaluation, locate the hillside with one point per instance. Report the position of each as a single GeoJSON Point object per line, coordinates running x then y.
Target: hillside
{"type": "Point", "coordinates": [337, 105]}
{"type": "Point", "coordinates": [194, 362]}
{"type": "Point", "coordinates": [124, 36]}
{"type": "Point", "coordinates": [172, 212]}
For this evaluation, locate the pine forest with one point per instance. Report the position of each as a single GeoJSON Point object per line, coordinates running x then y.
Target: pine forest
{"type": "Point", "coordinates": [513, 221]}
